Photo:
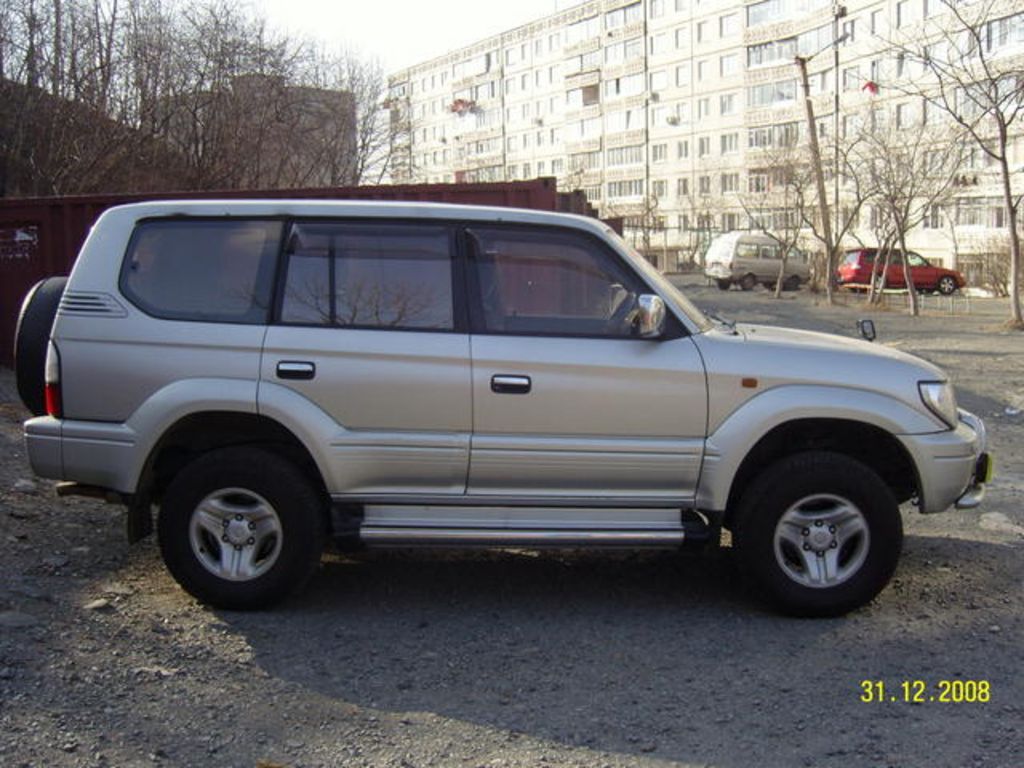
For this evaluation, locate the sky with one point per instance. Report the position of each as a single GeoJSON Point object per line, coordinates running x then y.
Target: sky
{"type": "Point", "coordinates": [402, 32]}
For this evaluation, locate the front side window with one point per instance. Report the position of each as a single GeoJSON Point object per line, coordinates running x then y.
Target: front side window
{"type": "Point", "coordinates": [554, 283]}
{"type": "Point", "coordinates": [369, 275]}
{"type": "Point", "coordinates": [210, 271]}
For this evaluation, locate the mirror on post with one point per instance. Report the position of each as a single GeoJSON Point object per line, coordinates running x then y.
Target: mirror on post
{"type": "Point", "coordinates": [650, 321]}
{"type": "Point", "coordinates": [867, 329]}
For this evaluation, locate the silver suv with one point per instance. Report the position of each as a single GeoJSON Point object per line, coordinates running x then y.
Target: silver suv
{"type": "Point", "coordinates": [266, 376]}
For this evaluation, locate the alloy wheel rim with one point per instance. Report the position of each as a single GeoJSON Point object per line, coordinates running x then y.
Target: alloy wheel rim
{"type": "Point", "coordinates": [235, 534]}
{"type": "Point", "coordinates": [821, 541]}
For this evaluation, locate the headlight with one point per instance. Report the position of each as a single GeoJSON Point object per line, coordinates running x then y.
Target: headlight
{"type": "Point", "coordinates": [939, 397]}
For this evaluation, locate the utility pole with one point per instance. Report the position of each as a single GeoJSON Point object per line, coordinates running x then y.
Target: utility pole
{"type": "Point", "coordinates": [819, 173]}
{"type": "Point", "coordinates": [838, 12]}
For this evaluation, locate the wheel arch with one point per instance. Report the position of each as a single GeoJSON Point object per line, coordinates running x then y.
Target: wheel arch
{"type": "Point", "coordinates": [200, 432]}
{"type": "Point", "coordinates": [873, 446]}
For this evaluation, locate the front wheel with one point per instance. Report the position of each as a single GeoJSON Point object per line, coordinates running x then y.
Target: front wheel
{"type": "Point", "coordinates": [748, 282]}
{"type": "Point", "coordinates": [820, 533]}
{"type": "Point", "coordinates": [241, 528]}
{"type": "Point", "coordinates": [724, 285]}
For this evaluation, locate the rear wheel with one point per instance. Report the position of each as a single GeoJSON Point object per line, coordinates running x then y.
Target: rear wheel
{"type": "Point", "coordinates": [791, 283]}
{"type": "Point", "coordinates": [241, 528]}
{"type": "Point", "coordinates": [724, 285]}
{"type": "Point", "coordinates": [819, 533]}
{"type": "Point", "coordinates": [748, 282]}
{"type": "Point", "coordinates": [946, 285]}
{"type": "Point", "coordinates": [31, 338]}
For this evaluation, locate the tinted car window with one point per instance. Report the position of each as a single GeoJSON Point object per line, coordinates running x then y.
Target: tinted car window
{"type": "Point", "coordinates": [187, 269]}
{"type": "Point", "coordinates": [551, 283]}
{"type": "Point", "coordinates": [360, 275]}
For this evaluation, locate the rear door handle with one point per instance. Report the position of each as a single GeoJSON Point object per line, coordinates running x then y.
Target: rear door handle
{"type": "Point", "coordinates": [296, 369]}
{"type": "Point", "coordinates": [504, 384]}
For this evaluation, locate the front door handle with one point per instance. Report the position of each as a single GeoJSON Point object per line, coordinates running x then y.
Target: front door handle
{"type": "Point", "coordinates": [504, 384]}
{"type": "Point", "coordinates": [296, 369]}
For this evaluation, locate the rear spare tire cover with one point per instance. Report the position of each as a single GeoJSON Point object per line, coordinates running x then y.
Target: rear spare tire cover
{"type": "Point", "coordinates": [31, 339]}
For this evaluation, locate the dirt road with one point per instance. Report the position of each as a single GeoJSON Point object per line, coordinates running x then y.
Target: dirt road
{"type": "Point", "coordinates": [519, 658]}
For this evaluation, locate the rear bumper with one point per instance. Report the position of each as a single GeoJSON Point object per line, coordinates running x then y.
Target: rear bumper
{"type": "Point", "coordinates": [43, 445]}
{"type": "Point", "coordinates": [91, 453]}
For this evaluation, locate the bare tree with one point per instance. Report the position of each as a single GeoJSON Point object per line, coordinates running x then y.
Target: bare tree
{"type": "Point", "coordinates": [908, 170]}
{"type": "Point", "coordinates": [975, 79]}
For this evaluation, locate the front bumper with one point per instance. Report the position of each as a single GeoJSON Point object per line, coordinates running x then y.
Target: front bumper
{"type": "Point", "coordinates": [983, 466]}
{"type": "Point", "coordinates": [948, 464]}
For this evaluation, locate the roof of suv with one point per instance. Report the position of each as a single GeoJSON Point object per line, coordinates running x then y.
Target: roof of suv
{"type": "Point", "coordinates": [365, 208]}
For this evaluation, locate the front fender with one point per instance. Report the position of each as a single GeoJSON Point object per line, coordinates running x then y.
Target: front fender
{"type": "Point", "coordinates": [734, 438]}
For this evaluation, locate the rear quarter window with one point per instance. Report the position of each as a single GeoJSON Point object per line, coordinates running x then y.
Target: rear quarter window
{"type": "Point", "coordinates": [214, 271]}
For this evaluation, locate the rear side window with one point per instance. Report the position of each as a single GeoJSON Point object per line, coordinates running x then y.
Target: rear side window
{"type": "Point", "coordinates": [369, 275]}
{"type": "Point", "coordinates": [216, 271]}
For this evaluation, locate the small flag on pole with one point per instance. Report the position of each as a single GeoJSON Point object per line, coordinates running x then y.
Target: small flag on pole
{"type": "Point", "coordinates": [871, 87]}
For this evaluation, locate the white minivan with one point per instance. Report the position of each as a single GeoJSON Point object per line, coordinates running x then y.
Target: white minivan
{"type": "Point", "coordinates": [749, 258]}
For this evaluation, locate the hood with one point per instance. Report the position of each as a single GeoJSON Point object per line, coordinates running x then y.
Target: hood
{"type": "Point", "coordinates": [778, 357]}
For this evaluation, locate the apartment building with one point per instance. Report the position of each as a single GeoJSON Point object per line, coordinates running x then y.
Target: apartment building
{"type": "Point", "coordinates": [676, 114]}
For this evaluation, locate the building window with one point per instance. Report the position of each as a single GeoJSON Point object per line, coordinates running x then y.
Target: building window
{"type": "Point", "coordinates": [702, 31]}
{"type": "Point", "coordinates": [704, 185]}
{"type": "Point", "coordinates": [659, 153]}
{"type": "Point", "coordinates": [656, 8]}
{"type": "Point", "coordinates": [851, 79]}
{"type": "Point", "coordinates": [902, 13]}
{"type": "Point", "coordinates": [770, 94]}
{"type": "Point", "coordinates": [682, 187]}
{"type": "Point", "coordinates": [702, 71]}
{"type": "Point", "coordinates": [757, 181]}
{"type": "Point", "coordinates": [728, 24]}
{"type": "Point", "coordinates": [727, 103]}
{"type": "Point", "coordinates": [629, 188]}
{"type": "Point", "coordinates": [876, 22]}
{"type": "Point", "coordinates": [631, 155]}
{"type": "Point", "coordinates": [703, 146]}
{"type": "Point", "coordinates": [620, 17]}
{"type": "Point", "coordinates": [683, 75]}
{"type": "Point", "coordinates": [730, 221]}
{"type": "Point", "coordinates": [682, 149]}
{"type": "Point", "coordinates": [703, 108]}
{"type": "Point", "coordinates": [683, 37]}
{"type": "Point", "coordinates": [659, 80]}
{"type": "Point", "coordinates": [729, 64]}
{"type": "Point", "coordinates": [730, 143]}
{"type": "Point", "coordinates": [730, 182]}
{"type": "Point", "coordinates": [659, 188]}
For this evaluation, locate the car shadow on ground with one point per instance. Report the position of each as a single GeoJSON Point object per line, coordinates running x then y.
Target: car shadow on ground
{"type": "Point", "coordinates": [644, 653]}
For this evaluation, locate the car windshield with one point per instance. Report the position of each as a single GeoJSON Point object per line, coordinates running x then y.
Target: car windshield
{"type": "Point", "coordinates": [664, 287]}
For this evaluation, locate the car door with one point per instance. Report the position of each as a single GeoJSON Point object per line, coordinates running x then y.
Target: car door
{"type": "Point", "coordinates": [922, 272]}
{"type": "Point", "coordinates": [567, 403]}
{"type": "Point", "coordinates": [369, 344]}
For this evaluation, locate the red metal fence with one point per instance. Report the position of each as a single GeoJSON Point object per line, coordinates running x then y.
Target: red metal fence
{"type": "Point", "coordinates": [40, 237]}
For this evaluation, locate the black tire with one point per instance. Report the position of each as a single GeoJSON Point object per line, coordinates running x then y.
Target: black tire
{"type": "Point", "coordinates": [724, 285]}
{"type": "Point", "coordinates": [239, 480]}
{"type": "Point", "coordinates": [748, 282]}
{"type": "Point", "coordinates": [811, 486]}
{"type": "Point", "coordinates": [31, 338]}
{"type": "Point", "coordinates": [791, 283]}
{"type": "Point", "coordinates": [946, 285]}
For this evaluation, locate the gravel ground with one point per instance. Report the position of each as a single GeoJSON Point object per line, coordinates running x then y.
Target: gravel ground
{"type": "Point", "coordinates": [521, 658]}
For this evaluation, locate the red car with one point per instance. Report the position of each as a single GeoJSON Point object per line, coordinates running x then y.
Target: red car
{"type": "Point", "coordinates": [856, 269]}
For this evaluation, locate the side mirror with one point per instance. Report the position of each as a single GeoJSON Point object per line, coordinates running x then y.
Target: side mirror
{"type": "Point", "coordinates": [867, 329]}
{"type": "Point", "coordinates": [650, 318]}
